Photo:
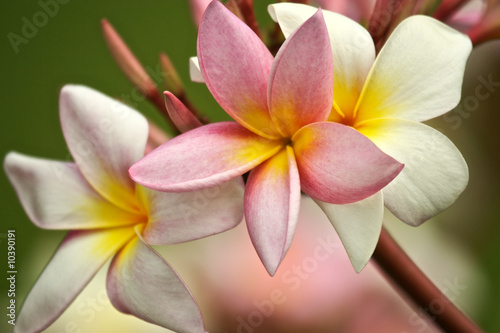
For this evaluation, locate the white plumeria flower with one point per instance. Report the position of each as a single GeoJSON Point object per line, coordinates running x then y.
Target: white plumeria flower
{"type": "Point", "coordinates": [416, 76]}
{"type": "Point", "coordinates": [111, 217]}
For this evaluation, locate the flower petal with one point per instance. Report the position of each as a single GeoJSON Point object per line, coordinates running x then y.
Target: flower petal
{"type": "Point", "coordinates": [77, 260]}
{"type": "Point", "coordinates": [55, 195]}
{"type": "Point", "coordinates": [301, 79]}
{"type": "Point", "coordinates": [352, 48]}
{"type": "Point", "coordinates": [203, 157]}
{"type": "Point", "coordinates": [272, 201]}
{"type": "Point", "coordinates": [339, 165]}
{"type": "Point", "coordinates": [180, 115]}
{"type": "Point", "coordinates": [358, 225]}
{"type": "Point", "coordinates": [195, 71]}
{"type": "Point", "coordinates": [141, 283]}
{"type": "Point", "coordinates": [435, 172]}
{"type": "Point", "coordinates": [418, 74]}
{"type": "Point", "coordinates": [235, 64]}
{"type": "Point", "coordinates": [105, 137]}
{"type": "Point", "coordinates": [182, 217]}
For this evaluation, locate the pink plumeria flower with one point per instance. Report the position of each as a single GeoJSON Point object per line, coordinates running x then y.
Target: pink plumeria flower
{"type": "Point", "coordinates": [416, 76]}
{"type": "Point", "coordinates": [280, 106]}
{"type": "Point", "coordinates": [111, 217]}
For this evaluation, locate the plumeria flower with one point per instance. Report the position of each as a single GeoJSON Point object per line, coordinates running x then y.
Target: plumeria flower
{"type": "Point", "coordinates": [416, 76]}
{"type": "Point", "coordinates": [111, 217]}
{"type": "Point", "coordinates": [280, 106]}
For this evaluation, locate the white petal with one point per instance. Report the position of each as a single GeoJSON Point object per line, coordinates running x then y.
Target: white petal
{"type": "Point", "coordinates": [352, 47]}
{"type": "Point", "coordinates": [105, 138]}
{"type": "Point", "coordinates": [195, 71]}
{"type": "Point", "coordinates": [418, 73]}
{"type": "Point", "coordinates": [77, 260]}
{"type": "Point", "coordinates": [290, 16]}
{"type": "Point", "coordinates": [141, 283]}
{"type": "Point", "coordinates": [182, 217]}
{"type": "Point", "coordinates": [55, 195]}
{"type": "Point", "coordinates": [435, 172]}
{"type": "Point", "coordinates": [358, 226]}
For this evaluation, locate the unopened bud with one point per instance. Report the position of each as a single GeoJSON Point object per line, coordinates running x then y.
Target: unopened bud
{"type": "Point", "coordinates": [127, 61]}
{"type": "Point", "coordinates": [181, 116]}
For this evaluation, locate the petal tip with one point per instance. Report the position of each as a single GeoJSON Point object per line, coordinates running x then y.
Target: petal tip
{"type": "Point", "coordinates": [358, 267]}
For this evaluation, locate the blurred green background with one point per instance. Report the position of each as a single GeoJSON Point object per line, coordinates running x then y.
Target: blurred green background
{"type": "Point", "coordinates": [69, 48]}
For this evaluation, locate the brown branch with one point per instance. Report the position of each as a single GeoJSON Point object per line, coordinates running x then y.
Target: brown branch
{"type": "Point", "coordinates": [403, 272]}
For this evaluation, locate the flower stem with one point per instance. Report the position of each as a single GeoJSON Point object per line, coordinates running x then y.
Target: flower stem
{"type": "Point", "coordinates": [403, 272]}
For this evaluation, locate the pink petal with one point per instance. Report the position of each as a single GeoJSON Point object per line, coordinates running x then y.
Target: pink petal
{"type": "Point", "coordinates": [55, 195]}
{"type": "Point", "coordinates": [352, 48]}
{"type": "Point", "coordinates": [204, 157]}
{"type": "Point", "coordinates": [77, 260]}
{"type": "Point", "coordinates": [182, 217]}
{"type": "Point", "coordinates": [301, 80]}
{"type": "Point", "coordinates": [181, 116]}
{"type": "Point", "coordinates": [339, 165]}
{"type": "Point", "coordinates": [105, 137]}
{"type": "Point", "coordinates": [141, 283]}
{"type": "Point", "coordinates": [272, 200]}
{"type": "Point", "coordinates": [236, 64]}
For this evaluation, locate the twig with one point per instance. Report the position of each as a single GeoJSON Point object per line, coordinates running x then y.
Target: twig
{"type": "Point", "coordinates": [403, 272]}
